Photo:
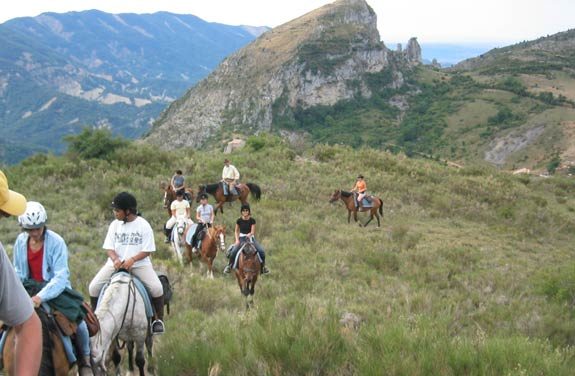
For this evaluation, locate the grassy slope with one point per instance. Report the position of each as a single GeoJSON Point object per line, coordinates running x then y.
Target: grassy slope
{"type": "Point", "coordinates": [459, 279]}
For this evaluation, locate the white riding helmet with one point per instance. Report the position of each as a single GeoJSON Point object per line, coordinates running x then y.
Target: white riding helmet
{"type": "Point", "coordinates": [34, 217]}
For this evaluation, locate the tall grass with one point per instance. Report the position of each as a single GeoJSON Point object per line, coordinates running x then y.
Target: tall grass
{"type": "Point", "coordinates": [460, 279]}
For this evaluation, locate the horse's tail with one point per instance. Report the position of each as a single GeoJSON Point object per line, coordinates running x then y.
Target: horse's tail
{"type": "Point", "coordinates": [255, 190]}
{"type": "Point", "coordinates": [380, 206]}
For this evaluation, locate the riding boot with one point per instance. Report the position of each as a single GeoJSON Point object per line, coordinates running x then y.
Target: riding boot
{"type": "Point", "coordinates": [93, 302]}
{"type": "Point", "coordinates": [264, 269]}
{"type": "Point", "coordinates": [84, 366]}
{"type": "Point", "coordinates": [158, 324]}
{"type": "Point", "coordinates": [168, 233]}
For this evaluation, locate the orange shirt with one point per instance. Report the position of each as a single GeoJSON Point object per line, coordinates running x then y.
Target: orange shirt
{"type": "Point", "coordinates": [360, 186]}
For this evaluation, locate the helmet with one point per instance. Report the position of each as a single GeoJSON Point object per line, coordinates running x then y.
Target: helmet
{"type": "Point", "coordinates": [180, 192]}
{"type": "Point", "coordinates": [360, 176]}
{"type": "Point", "coordinates": [34, 217]}
{"type": "Point", "coordinates": [203, 195]}
{"type": "Point", "coordinates": [125, 201]}
{"type": "Point", "coordinates": [245, 207]}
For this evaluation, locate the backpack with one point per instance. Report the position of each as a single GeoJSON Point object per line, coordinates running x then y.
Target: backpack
{"type": "Point", "coordinates": [168, 292]}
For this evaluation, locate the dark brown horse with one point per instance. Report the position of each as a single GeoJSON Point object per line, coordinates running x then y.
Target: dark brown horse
{"type": "Point", "coordinates": [54, 359]}
{"type": "Point", "coordinates": [170, 195]}
{"type": "Point", "coordinates": [349, 199]}
{"type": "Point", "coordinates": [248, 270]}
{"type": "Point", "coordinates": [217, 191]}
{"type": "Point", "coordinates": [214, 239]}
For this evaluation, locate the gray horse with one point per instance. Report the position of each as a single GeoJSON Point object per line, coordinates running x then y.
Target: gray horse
{"type": "Point", "coordinates": [122, 315]}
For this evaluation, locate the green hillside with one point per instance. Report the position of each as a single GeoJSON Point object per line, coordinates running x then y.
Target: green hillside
{"type": "Point", "coordinates": [471, 273]}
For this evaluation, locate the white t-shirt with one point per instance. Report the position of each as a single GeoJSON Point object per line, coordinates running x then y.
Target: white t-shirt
{"type": "Point", "coordinates": [180, 207]}
{"type": "Point", "coordinates": [130, 238]}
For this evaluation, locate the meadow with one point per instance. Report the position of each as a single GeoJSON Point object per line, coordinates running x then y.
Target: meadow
{"type": "Point", "coordinates": [471, 273]}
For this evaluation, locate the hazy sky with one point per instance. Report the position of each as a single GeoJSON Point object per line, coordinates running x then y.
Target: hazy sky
{"type": "Point", "coordinates": [503, 21]}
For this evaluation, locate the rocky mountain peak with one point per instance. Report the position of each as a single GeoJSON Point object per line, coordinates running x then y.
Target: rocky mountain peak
{"type": "Point", "coordinates": [309, 61]}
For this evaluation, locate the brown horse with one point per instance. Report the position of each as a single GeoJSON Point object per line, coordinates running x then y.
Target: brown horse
{"type": "Point", "coordinates": [217, 191]}
{"type": "Point", "coordinates": [349, 199]}
{"type": "Point", "coordinates": [170, 195]}
{"type": "Point", "coordinates": [248, 270]}
{"type": "Point", "coordinates": [213, 240]}
{"type": "Point", "coordinates": [54, 359]}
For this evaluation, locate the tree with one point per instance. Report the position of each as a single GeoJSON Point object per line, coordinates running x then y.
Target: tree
{"type": "Point", "coordinates": [93, 143]}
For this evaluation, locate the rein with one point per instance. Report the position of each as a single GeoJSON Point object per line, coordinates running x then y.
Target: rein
{"type": "Point", "coordinates": [131, 293]}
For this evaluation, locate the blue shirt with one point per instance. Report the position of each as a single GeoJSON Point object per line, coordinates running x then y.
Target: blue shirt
{"type": "Point", "coordinates": [54, 264]}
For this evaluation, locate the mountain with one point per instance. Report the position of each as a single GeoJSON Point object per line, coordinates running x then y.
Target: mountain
{"type": "Point", "coordinates": [322, 58]}
{"type": "Point", "coordinates": [60, 72]}
{"type": "Point", "coordinates": [327, 78]}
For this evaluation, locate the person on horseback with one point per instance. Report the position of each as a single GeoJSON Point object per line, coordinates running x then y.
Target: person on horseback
{"type": "Point", "coordinates": [360, 187]}
{"type": "Point", "coordinates": [129, 243]}
{"type": "Point", "coordinates": [245, 231]}
{"type": "Point", "coordinates": [230, 177]}
{"type": "Point", "coordinates": [16, 309]}
{"type": "Point", "coordinates": [41, 262]}
{"type": "Point", "coordinates": [204, 217]}
{"type": "Point", "coordinates": [178, 183]}
{"type": "Point", "coordinates": [179, 208]}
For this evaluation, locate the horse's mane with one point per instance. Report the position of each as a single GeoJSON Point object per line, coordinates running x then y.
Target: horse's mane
{"type": "Point", "coordinates": [346, 193]}
{"type": "Point", "coordinates": [111, 292]}
{"type": "Point", "coordinates": [212, 188]}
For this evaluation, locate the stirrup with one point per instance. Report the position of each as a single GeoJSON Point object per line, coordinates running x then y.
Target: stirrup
{"type": "Point", "coordinates": [227, 269]}
{"type": "Point", "coordinates": [158, 327]}
{"type": "Point", "coordinates": [265, 270]}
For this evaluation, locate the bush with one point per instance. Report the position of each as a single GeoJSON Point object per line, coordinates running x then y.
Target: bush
{"type": "Point", "coordinates": [93, 143]}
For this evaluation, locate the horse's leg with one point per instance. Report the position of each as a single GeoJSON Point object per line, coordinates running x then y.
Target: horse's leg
{"type": "Point", "coordinates": [131, 357]}
{"type": "Point", "coordinates": [140, 358]}
{"type": "Point", "coordinates": [349, 216]}
{"type": "Point", "coordinates": [116, 358]}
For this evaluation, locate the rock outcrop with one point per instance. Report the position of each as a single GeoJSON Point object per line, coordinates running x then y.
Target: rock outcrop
{"type": "Point", "coordinates": [316, 59]}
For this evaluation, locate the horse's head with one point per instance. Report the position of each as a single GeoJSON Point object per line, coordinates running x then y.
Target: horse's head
{"type": "Point", "coordinates": [181, 223]}
{"type": "Point", "coordinates": [169, 196]}
{"type": "Point", "coordinates": [335, 196]}
{"type": "Point", "coordinates": [220, 233]}
{"type": "Point", "coordinates": [201, 191]}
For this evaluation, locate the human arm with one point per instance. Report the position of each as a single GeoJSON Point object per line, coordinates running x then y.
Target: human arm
{"type": "Point", "coordinates": [237, 233]}
{"type": "Point", "coordinates": [57, 273]}
{"type": "Point", "coordinates": [236, 173]}
{"type": "Point", "coordinates": [115, 258]}
{"type": "Point", "coordinates": [129, 262]}
{"type": "Point", "coordinates": [212, 214]}
{"type": "Point", "coordinates": [198, 214]}
{"type": "Point", "coordinates": [28, 347]}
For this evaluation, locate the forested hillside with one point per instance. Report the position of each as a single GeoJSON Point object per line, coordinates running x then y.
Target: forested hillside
{"type": "Point", "coordinates": [471, 272]}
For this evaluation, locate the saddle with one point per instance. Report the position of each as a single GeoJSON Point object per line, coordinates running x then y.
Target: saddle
{"type": "Point", "coordinates": [366, 202]}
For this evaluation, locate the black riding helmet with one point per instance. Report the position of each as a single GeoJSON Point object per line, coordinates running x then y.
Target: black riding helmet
{"type": "Point", "coordinates": [125, 201]}
{"type": "Point", "coordinates": [203, 195]}
{"type": "Point", "coordinates": [245, 207]}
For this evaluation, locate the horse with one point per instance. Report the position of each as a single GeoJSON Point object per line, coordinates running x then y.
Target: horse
{"type": "Point", "coordinates": [54, 360]}
{"type": "Point", "coordinates": [349, 200]}
{"type": "Point", "coordinates": [213, 240]}
{"type": "Point", "coordinates": [170, 195]}
{"type": "Point", "coordinates": [122, 314]}
{"type": "Point", "coordinates": [248, 270]}
{"type": "Point", "coordinates": [178, 238]}
{"type": "Point", "coordinates": [217, 191]}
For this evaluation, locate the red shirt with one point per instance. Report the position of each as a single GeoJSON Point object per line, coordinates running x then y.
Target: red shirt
{"type": "Point", "coordinates": [35, 263]}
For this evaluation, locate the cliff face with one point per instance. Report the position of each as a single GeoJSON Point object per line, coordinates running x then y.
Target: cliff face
{"type": "Point", "coordinates": [317, 59]}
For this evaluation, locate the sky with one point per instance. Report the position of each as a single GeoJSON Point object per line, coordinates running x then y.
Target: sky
{"type": "Point", "coordinates": [441, 21]}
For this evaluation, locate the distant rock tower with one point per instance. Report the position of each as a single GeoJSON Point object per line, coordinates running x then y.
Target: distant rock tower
{"type": "Point", "coordinates": [398, 47]}
{"type": "Point", "coordinates": [413, 52]}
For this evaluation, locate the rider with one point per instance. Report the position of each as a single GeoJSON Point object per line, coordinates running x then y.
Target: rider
{"type": "Point", "coordinates": [360, 187]}
{"type": "Point", "coordinates": [230, 176]}
{"type": "Point", "coordinates": [178, 184]}
{"type": "Point", "coordinates": [179, 208]}
{"type": "Point", "coordinates": [204, 217]}
{"type": "Point", "coordinates": [129, 243]}
{"type": "Point", "coordinates": [16, 308]}
{"type": "Point", "coordinates": [246, 229]}
{"type": "Point", "coordinates": [41, 255]}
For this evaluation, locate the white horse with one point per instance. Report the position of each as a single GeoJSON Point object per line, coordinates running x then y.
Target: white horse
{"type": "Point", "coordinates": [122, 316]}
{"type": "Point", "coordinates": [178, 238]}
